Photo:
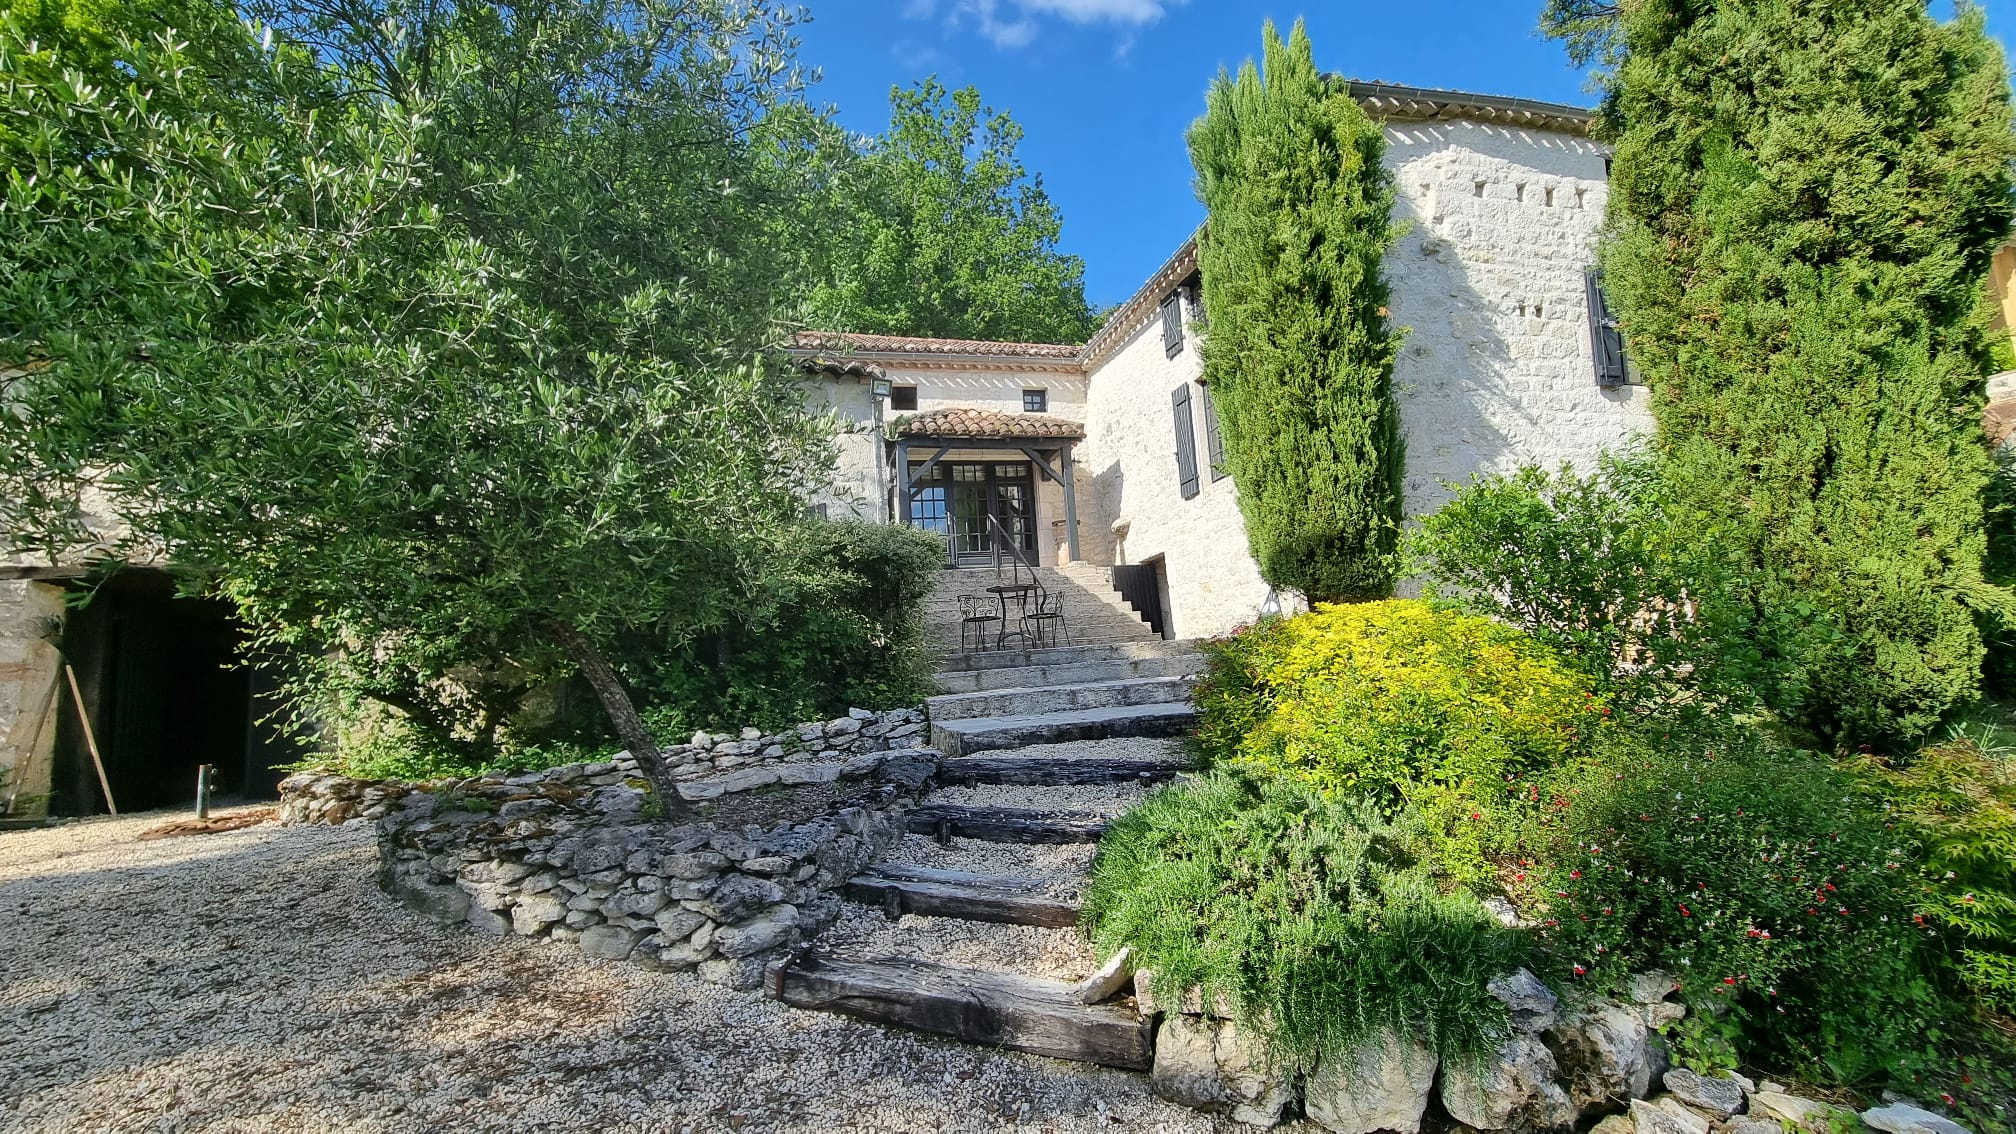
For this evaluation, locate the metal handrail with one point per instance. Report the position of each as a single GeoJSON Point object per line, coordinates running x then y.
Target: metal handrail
{"type": "Point", "coordinates": [998, 535]}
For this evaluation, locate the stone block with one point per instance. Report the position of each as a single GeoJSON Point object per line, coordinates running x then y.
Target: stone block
{"type": "Point", "coordinates": [634, 903]}
{"type": "Point", "coordinates": [1382, 1085]}
{"type": "Point", "coordinates": [1648, 1118]}
{"type": "Point", "coordinates": [534, 912]}
{"type": "Point", "coordinates": [488, 921]}
{"type": "Point", "coordinates": [1533, 1006]}
{"type": "Point", "coordinates": [1514, 1089]}
{"type": "Point", "coordinates": [1607, 1056]}
{"type": "Point", "coordinates": [609, 942]}
{"type": "Point", "coordinates": [1213, 1066]}
{"type": "Point", "coordinates": [740, 897]}
{"type": "Point", "coordinates": [678, 923]}
{"type": "Point", "coordinates": [1109, 980]}
{"type": "Point", "coordinates": [1808, 1114]}
{"type": "Point", "coordinates": [1904, 1118]}
{"type": "Point", "coordinates": [1720, 1097]}
{"type": "Point", "coordinates": [775, 927]}
{"type": "Point", "coordinates": [742, 973]}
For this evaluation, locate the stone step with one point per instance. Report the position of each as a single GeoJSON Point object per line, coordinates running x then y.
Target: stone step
{"type": "Point", "coordinates": [1005, 824]}
{"type": "Point", "coordinates": [990, 1009]}
{"type": "Point", "coordinates": [981, 734]}
{"type": "Point", "coordinates": [1070, 673]}
{"type": "Point", "coordinates": [1068, 655]}
{"type": "Point", "coordinates": [900, 889]}
{"type": "Point", "coordinates": [1033, 701]}
{"type": "Point", "coordinates": [1046, 771]}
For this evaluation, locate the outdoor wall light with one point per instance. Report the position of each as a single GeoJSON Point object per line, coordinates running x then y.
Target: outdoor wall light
{"type": "Point", "coordinates": [880, 387]}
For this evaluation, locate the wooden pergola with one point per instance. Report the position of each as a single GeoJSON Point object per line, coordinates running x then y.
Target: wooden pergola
{"type": "Point", "coordinates": [1046, 441]}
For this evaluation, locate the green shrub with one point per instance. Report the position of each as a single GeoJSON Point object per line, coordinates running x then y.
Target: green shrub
{"type": "Point", "coordinates": [1300, 354]}
{"type": "Point", "coordinates": [1307, 914]}
{"type": "Point", "coordinates": [1960, 803]}
{"type": "Point", "coordinates": [1773, 887]}
{"type": "Point", "coordinates": [1805, 201]}
{"type": "Point", "coordinates": [1402, 704]}
{"type": "Point", "coordinates": [1602, 569]}
{"type": "Point", "coordinates": [394, 750]}
{"type": "Point", "coordinates": [839, 626]}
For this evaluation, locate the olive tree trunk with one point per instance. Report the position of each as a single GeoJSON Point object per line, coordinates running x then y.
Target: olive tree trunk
{"type": "Point", "coordinates": [622, 714]}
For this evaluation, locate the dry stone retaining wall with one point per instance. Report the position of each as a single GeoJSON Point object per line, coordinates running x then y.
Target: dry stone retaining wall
{"type": "Point", "coordinates": [770, 827]}
{"type": "Point", "coordinates": [817, 752]}
{"type": "Point", "coordinates": [1560, 1064]}
{"type": "Point", "coordinates": [590, 866]}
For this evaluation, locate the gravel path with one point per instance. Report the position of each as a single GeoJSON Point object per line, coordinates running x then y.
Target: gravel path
{"type": "Point", "coordinates": [1062, 866]}
{"type": "Point", "coordinates": [257, 980]}
{"type": "Point", "coordinates": [1111, 748]}
{"type": "Point", "coordinates": [1054, 954]}
{"type": "Point", "coordinates": [1099, 799]}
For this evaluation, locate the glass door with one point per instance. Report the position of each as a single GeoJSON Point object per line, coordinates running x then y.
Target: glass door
{"type": "Point", "coordinates": [959, 497]}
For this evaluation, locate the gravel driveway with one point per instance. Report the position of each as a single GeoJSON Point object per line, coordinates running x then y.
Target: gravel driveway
{"type": "Point", "coordinates": [257, 980]}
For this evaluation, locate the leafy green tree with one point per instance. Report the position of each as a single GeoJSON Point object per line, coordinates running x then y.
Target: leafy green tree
{"type": "Point", "coordinates": [1300, 355]}
{"type": "Point", "coordinates": [1805, 199]}
{"type": "Point", "coordinates": [356, 356]}
{"type": "Point", "coordinates": [936, 228]}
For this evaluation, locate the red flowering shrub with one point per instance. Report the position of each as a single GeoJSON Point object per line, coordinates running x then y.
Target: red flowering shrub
{"type": "Point", "coordinates": [1766, 881]}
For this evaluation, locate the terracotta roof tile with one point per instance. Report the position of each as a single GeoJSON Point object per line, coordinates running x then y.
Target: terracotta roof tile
{"type": "Point", "coordinates": [845, 367]}
{"type": "Point", "coordinates": [904, 344]}
{"type": "Point", "coordinates": [977, 423]}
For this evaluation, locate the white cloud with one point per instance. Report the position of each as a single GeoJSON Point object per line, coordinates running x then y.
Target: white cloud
{"type": "Point", "coordinates": [1101, 11]}
{"type": "Point", "coordinates": [1015, 23]}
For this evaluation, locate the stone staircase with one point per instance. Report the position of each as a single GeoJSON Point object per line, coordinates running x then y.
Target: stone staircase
{"type": "Point", "coordinates": [968, 929]}
{"type": "Point", "coordinates": [1094, 612]}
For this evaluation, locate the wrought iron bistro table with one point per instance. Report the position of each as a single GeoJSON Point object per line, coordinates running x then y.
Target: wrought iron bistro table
{"type": "Point", "coordinates": [1021, 591]}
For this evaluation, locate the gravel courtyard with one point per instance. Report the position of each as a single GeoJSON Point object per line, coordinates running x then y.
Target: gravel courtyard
{"type": "Point", "coordinates": [257, 980]}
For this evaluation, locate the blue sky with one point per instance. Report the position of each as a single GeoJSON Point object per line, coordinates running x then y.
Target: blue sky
{"type": "Point", "coordinates": [1106, 88]}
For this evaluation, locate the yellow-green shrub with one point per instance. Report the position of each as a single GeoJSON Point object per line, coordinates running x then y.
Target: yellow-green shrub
{"type": "Point", "coordinates": [1401, 702]}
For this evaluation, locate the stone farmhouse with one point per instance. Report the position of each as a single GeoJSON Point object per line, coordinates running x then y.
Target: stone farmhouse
{"type": "Point", "coordinates": [1100, 463]}
{"type": "Point", "coordinates": [1108, 454]}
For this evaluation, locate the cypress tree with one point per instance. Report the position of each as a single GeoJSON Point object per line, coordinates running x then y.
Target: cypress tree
{"type": "Point", "coordinates": [1299, 357]}
{"type": "Point", "coordinates": [1805, 198]}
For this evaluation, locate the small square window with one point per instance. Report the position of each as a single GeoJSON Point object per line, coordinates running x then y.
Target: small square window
{"type": "Point", "coordinates": [903, 398]}
{"type": "Point", "coordinates": [1035, 401]}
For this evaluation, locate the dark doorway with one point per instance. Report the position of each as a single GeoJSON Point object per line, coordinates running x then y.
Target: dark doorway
{"type": "Point", "coordinates": [1141, 586]}
{"type": "Point", "coordinates": [160, 680]}
{"type": "Point", "coordinates": [958, 497]}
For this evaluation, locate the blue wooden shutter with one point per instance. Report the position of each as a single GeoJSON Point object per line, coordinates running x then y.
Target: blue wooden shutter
{"type": "Point", "coordinates": [1172, 324]}
{"type": "Point", "coordinates": [1606, 342]}
{"type": "Point", "coordinates": [1186, 443]}
{"type": "Point", "coordinates": [1214, 445]}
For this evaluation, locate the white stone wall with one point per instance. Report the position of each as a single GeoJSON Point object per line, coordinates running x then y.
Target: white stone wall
{"type": "Point", "coordinates": [28, 666]}
{"type": "Point", "coordinates": [1496, 371]}
{"type": "Point", "coordinates": [1000, 391]}
{"type": "Point", "coordinates": [860, 486]}
{"type": "Point", "coordinates": [1130, 454]}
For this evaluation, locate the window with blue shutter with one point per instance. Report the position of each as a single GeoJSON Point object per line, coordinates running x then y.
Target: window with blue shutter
{"type": "Point", "coordinates": [1186, 443]}
{"type": "Point", "coordinates": [1606, 342]}
{"type": "Point", "coordinates": [1214, 445]}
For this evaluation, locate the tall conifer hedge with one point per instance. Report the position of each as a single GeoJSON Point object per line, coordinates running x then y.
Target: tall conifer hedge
{"type": "Point", "coordinates": [1805, 197]}
{"type": "Point", "coordinates": [1299, 357]}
